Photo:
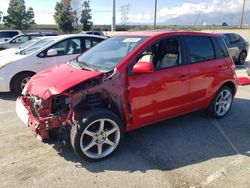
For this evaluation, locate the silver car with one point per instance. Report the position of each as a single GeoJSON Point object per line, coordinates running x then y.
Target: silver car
{"type": "Point", "coordinates": [237, 47]}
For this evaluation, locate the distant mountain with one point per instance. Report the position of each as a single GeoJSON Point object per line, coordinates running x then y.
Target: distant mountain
{"type": "Point", "coordinates": [210, 19]}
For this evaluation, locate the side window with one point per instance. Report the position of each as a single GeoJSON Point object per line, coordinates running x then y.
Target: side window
{"type": "Point", "coordinates": [67, 47]}
{"type": "Point", "coordinates": [163, 54]}
{"type": "Point", "coordinates": [12, 34]}
{"type": "Point", "coordinates": [21, 39]}
{"type": "Point", "coordinates": [221, 48]}
{"type": "Point", "coordinates": [34, 36]}
{"type": "Point", "coordinates": [234, 38]}
{"type": "Point", "coordinates": [90, 42]}
{"type": "Point", "coordinates": [227, 39]}
{"type": "Point", "coordinates": [200, 48]}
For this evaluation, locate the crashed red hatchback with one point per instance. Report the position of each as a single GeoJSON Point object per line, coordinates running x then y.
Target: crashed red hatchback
{"type": "Point", "coordinates": [127, 82]}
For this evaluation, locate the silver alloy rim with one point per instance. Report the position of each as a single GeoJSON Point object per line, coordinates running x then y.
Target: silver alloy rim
{"type": "Point", "coordinates": [24, 82]}
{"type": "Point", "coordinates": [101, 142]}
{"type": "Point", "coordinates": [223, 102]}
{"type": "Point", "coordinates": [243, 57]}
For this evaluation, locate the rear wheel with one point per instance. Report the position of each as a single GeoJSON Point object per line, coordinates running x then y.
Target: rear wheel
{"type": "Point", "coordinates": [242, 58]}
{"type": "Point", "coordinates": [97, 135]}
{"type": "Point", "coordinates": [221, 103]}
{"type": "Point", "coordinates": [20, 81]}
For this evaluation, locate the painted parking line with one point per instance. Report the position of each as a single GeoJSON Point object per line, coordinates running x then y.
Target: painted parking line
{"type": "Point", "coordinates": [218, 126]}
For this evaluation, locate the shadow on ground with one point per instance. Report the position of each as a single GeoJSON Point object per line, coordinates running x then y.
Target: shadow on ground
{"type": "Point", "coordinates": [242, 67]}
{"type": "Point", "coordinates": [8, 96]}
{"type": "Point", "coordinates": [176, 143]}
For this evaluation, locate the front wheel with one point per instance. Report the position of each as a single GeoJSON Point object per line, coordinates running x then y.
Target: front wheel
{"type": "Point", "coordinates": [97, 135]}
{"type": "Point", "coordinates": [221, 103]}
{"type": "Point", "coordinates": [20, 81]}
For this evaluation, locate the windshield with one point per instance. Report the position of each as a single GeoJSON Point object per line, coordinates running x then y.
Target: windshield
{"type": "Point", "coordinates": [109, 53]}
{"type": "Point", "coordinates": [38, 45]}
{"type": "Point", "coordinates": [24, 45]}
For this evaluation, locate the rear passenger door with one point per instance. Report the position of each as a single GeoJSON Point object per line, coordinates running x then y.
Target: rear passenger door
{"type": "Point", "coordinates": [205, 69]}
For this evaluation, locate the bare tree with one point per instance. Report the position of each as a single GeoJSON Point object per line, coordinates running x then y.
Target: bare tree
{"type": "Point", "coordinates": [77, 8]}
{"type": "Point", "coordinates": [124, 12]}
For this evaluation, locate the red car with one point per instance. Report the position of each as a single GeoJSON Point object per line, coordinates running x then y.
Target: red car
{"type": "Point", "coordinates": [127, 82]}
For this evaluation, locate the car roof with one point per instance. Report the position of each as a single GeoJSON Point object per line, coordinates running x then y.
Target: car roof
{"type": "Point", "coordinates": [155, 33]}
{"type": "Point", "coordinates": [78, 35]}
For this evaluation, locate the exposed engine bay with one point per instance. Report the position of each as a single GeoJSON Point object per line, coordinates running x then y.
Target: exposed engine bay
{"type": "Point", "coordinates": [62, 110]}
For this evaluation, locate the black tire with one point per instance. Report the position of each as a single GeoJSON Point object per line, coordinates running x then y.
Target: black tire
{"type": "Point", "coordinates": [242, 58]}
{"type": "Point", "coordinates": [212, 107]}
{"type": "Point", "coordinates": [84, 123]}
{"type": "Point", "coordinates": [18, 80]}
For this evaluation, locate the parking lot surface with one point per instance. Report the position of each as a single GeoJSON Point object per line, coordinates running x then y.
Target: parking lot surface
{"type": "Point", "coordinates": [189, 151]}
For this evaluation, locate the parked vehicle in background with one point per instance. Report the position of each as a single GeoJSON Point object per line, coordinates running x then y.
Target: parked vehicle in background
{"type": "Point", "coordinates": [22, 38]}
{"type": "Point", "coordinates": [16, 70]}
{"type": "Point", "coordinates": [127, 82]}
{"type": "Point", "coordinates": [6, 35]}
{"type": "Point", "coordinates": [237, 47]}
{"type": "Point", "coordinates": [99, 33]}
{"type": "Point", "coordinates": [15, 50]}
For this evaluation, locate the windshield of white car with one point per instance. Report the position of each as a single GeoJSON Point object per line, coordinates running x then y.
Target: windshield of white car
{"type": "Point", "coordinates": [106, 55]}
{"type": "Point", "coordinates": [38, 45]}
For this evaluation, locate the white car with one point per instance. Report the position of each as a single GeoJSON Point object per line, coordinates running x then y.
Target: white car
{"type": "Point", "coordinates": [6, 35]}
{"type": "Point", "coordinates": [16, 70]}
{"type": "Point", "coordinates": [12, 51]}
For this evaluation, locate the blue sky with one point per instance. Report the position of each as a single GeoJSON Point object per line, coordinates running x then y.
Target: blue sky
{"type": "Point", "coordinates": [141, 11]}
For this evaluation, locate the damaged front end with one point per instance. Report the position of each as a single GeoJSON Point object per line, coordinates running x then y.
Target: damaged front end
{"type": "Point", "coordinates": [58, 111]}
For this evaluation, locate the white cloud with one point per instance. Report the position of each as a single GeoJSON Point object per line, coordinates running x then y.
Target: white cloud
{"type": "Point", "coordinates": [165, 13]}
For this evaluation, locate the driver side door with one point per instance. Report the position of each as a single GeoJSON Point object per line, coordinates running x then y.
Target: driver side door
{"type": "Point", "coordinates": [163, 93]}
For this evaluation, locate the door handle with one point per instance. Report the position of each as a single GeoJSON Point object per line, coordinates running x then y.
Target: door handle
{"type": "Point", "coordinates": [38, 63]}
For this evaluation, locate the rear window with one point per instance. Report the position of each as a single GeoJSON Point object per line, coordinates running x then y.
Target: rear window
{"type": "Point", "coordinates": [220, 47]}
{"type": "Point", "coordinates": [200, 48]}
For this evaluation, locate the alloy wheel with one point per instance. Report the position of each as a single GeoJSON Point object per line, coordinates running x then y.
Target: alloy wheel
{"type": "Point", "coordinates": [223, 102]}
{"type": "Point", "coordinates": [100, 138]}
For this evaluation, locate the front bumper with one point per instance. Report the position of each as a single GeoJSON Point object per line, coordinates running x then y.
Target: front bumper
{"type": "Point", "coordinates": [40, 126]}
{"type": "Point", "coordinates": [4, 84]}
{"type": "Point", "coordinates": [36, 125]}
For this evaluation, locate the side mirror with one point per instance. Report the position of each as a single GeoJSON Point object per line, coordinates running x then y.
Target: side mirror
{"type": "Point", "coordinates": [52, 52]}
{"type": "Point", "coordinates": [143, 67]}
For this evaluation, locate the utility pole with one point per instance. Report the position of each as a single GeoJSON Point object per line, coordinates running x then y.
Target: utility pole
{"type": "Point", "coordinates": [113, 17]}
{"type": "Point", "coordinates": [242, 14]}
{"type": "Point", "coordinates": [155, 14]}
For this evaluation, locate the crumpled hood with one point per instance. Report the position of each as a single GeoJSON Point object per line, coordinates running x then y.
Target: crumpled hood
{"type": "Point", "coordinates": [57, 79]}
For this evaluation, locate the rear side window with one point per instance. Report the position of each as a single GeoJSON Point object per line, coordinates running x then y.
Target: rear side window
{"type": "Point", "coordinates": [200, 48]}
{"type": "Point", "coordinates": [8, 34]}
{"type": "Point", "coordinates": [220, 47]}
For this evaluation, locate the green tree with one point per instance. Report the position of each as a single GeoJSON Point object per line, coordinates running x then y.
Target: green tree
{"type": "Point", "coordinates": [86, 16]}
{"type": "Point", "coordinates": [18, 17]}
{"type": "Point", "coordinates": [64, 16]}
